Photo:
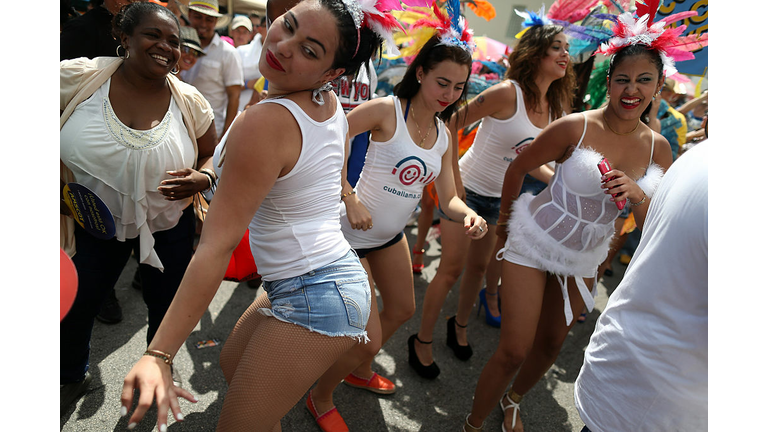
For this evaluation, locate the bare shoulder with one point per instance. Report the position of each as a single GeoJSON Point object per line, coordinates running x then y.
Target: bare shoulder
{"type": "Point", "coordinates": [571, 125]}
{"type": "Point", "coordinates": [497, 101]}
{"type": "Point", "coordinates": [499, 94]}
{"type": "Point", "coordinates": [265, 118]}
{"type": "Point", "coordinates": [662, 150]}
{"type": "Point", "coordinates": [381, 105]}
{"type": "Point", "coordinates": [265, 127]}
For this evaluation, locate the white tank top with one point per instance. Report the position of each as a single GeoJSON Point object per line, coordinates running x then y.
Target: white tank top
{"type": "Point", "coordinates": [497, 143]}
{"type": "Point", "coordinates": [296, 229]}
{"type": "Point", "coordinates": [392, 181]}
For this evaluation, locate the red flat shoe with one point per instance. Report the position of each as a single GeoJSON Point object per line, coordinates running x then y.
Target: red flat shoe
{"type": "Point", "coordinates": [329, 421]}
{"type": "Point", "coordinates": [417, 268]}
{"type": "Point", "coordinates": [376, 383]}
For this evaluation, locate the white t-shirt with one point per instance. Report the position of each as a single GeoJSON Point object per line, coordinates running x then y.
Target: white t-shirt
{"type": "Point", "coordinates": [249, 57]}
{"type": "Point", "coordinates": [353, 92]}
{"type": "Point", "coordinates": [213, 73]}
{"type": "Point", "coordinates": [645, 368]}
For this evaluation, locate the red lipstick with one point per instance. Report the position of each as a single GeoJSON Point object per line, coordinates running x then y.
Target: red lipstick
{"type": "Point", "coordinates": [273, 63]}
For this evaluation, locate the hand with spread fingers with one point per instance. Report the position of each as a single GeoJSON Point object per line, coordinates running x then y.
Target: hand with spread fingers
{"type": "Point", "coordinates": [152, 378]}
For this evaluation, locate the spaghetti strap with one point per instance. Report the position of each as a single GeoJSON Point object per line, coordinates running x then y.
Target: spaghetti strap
{"type": "Point", "coordinates": [584, 132]}
{"type": "Point", "coordinates": [653, 141]}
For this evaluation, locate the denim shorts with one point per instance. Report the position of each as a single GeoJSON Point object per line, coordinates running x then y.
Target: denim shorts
{"type": "Point", "coordinates": [334, 300]}
{"type": "Point", "coordinates": [485, 207]}
{"type": "Point", "coordinates": [532, 185]}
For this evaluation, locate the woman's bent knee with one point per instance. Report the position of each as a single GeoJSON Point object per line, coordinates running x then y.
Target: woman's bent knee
{"type": "Point", "coordinates": [510, 358]}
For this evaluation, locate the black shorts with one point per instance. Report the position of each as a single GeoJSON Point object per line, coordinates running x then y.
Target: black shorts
{"type": "Point", "coordinates": [361, 253]}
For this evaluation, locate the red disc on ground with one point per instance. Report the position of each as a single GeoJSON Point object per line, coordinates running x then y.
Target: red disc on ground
{"type": "Point", "coordinates": [68, 283]}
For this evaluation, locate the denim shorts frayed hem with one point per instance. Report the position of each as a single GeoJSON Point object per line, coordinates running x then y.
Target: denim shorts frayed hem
{"type": "Point", "coordinates": [361, 337]}
{"type": "Point", "coordinates": [333, 300]}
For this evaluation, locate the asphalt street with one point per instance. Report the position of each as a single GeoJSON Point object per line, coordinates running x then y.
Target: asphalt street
{"type": "Point", "coordinates": [417, 405]}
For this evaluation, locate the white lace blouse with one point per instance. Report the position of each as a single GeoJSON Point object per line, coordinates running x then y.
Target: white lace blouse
{"type": "Point", "coordinates": [125, 166]}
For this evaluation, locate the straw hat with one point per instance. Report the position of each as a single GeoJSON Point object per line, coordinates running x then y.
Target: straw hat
{"type": "Point", "coordinates": [674, 86]}
{"type": "Point", "coordinates": [210, 8]}
{"type": "Point", "coordinates": [190, 38]}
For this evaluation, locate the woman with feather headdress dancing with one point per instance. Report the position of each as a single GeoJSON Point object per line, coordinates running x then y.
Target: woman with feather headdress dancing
{"type": "Point", "coordinates": [557, 239]}
{"type": "Point", "coordinates": [537, 90]}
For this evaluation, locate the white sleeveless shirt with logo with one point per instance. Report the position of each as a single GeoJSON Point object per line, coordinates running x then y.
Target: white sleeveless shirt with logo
{"type": "Point", "coordinates": [497, 143]}
{"type": "Point", "coordinates": [392, 181]}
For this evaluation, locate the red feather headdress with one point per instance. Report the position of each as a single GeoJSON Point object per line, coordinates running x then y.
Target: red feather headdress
{"type": "Point", "coordinates": [666, 41]}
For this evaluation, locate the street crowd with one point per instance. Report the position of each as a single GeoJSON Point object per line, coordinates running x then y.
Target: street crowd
{"type": "Point", "coordinates": [281, 141]}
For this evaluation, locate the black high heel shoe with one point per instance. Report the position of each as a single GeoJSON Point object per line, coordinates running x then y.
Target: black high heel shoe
{"type": "Point", "coordinates": [428, 372]}
{"type": "Point", "coordinates": [463, 352]}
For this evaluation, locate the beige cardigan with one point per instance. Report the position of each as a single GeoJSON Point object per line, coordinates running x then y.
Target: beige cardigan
{"type": "Point", "coordinates": [81, 77]}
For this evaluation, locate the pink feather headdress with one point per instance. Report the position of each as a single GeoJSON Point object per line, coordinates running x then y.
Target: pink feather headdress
{"type": "Point", "coordinates": [374, 14]}
{"type": "Point", "coordinates": [666, 41]}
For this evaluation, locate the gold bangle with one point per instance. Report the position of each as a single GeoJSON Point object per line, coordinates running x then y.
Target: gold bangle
{"type": "Point", "coordinates": [210, 172]}
{"type": "Point", "coordinates": [638, 203]}
{"type": "Point", "coordinates": [505, 223]}
{"type": "Point", "coordinates": [347, 194]}
{"type": "Point", "coordinates": [167, 358]}
{"type": "Point", "coordinates": [502, 213]}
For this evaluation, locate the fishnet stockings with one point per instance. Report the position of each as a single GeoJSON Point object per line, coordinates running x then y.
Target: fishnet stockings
{"type": "Point", "coordinates": [270, 365]}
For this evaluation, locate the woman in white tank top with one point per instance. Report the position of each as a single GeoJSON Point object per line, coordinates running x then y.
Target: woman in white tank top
{"type": "Point", "coordinates": [318, 300]}
{"type": "Point", "coordinates": [558, 238]}
{"type": "Point", "coordinates": [409, 149]}
{"type": "Point", "coordinates": [538, 88]}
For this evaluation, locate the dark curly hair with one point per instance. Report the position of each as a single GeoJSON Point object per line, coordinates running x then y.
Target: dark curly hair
{"type": "Point", "coordinates": [524, 64]}
{"type": "Point", "coordinates": [132, 14]}
{"type": "Point", "coordinates": [430, 55]}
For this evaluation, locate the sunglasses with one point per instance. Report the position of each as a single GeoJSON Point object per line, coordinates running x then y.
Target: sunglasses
{"type": "Point", "coordinates": [187, 50]}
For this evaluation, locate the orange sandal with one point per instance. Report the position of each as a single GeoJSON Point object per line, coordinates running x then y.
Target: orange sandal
{"type": "Point", "coordinates": [376, 383]}
{"type": "Point", "coordinates": [329, 421]}
{"type": "Point", "coordinates": [417, 268]}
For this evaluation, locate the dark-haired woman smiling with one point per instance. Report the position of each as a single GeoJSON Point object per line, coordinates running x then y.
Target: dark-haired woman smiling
{"type": "Point", "coordinates": [132, 133]}
{"type": "Point", "coordinates": [557, 239]}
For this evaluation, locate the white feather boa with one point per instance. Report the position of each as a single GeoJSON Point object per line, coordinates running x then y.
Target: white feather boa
{"type": "Point", "coordinates": [529, 239]}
